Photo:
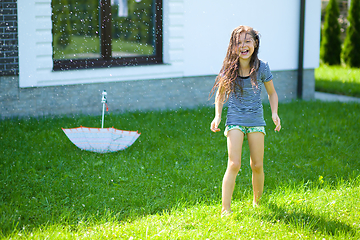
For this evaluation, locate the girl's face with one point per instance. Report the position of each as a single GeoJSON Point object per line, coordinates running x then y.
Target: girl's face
{"type": "Point", "coordinates": [246, 46]}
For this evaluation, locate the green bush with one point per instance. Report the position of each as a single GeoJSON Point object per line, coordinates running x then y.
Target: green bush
{"type": "Point", "coordinates": [330, 48]}
{"type": "Point", "coordinates": [351, 49]}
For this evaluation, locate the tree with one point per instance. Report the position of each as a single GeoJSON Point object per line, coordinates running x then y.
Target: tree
{"type": "Point", "coordinates": [351, 49]}
{"type": "Point", "coordinates": [330, 48]}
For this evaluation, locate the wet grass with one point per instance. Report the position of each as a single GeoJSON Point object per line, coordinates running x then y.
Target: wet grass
{"type": "Point", "coordinates": [338, 80]}
{"type": "Point", "coordinates": [167, 185]}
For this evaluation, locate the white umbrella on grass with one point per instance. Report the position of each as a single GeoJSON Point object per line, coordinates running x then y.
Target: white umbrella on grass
{"type": "Point", "coordinates": [101, 140]}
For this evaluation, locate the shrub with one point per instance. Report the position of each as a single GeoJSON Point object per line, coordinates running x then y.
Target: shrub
{"type": "Point", "coordinates": [351, 49]}
{"type": "Point", "coordinates": [330, 48]}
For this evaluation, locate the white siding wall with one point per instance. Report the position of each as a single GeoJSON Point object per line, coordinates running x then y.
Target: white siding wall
{"type": "Point", "coordinates": [196, 35]}
{"type": "Point", "coordinates": [208, 26]}
{"type": "Point", "coordinates": [312, 34]}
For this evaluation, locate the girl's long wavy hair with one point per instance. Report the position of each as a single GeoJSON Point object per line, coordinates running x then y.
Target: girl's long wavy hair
{"type": "Point", "coordinates": [226, 81]}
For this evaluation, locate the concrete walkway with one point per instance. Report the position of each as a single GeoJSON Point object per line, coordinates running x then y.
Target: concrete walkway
{"type": "Point", "coordinates": [328, 97]}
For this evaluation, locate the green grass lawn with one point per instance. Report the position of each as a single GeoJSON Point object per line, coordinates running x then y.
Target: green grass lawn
{"type": "Point", "coordinates": [338, 79]}
{"type": "Point", "coordinates": [167, 185]}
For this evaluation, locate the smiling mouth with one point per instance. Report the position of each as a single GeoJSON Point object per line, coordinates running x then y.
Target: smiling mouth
{"type": "Point", "coordinates": [244, 52]}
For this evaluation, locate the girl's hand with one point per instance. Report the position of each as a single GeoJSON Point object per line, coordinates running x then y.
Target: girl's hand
{"type": "Point", "coordinates": [214, 124]}
{"type": "Point", "coordinates": [276, 120]}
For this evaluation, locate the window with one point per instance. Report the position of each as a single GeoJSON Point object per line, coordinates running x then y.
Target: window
{"type": "Point", "coordinates": [106, 33]}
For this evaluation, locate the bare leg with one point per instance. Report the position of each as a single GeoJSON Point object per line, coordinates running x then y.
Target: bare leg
{"type": "Point", "coordinates": [256, 145]}
{"type": "Point", "coordinates": [235, 140]}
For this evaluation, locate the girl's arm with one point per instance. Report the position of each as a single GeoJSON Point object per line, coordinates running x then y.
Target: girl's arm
{"type": "Point", "coordinates": [273, 99]}
{"type": "Point", "coordinates": [219, 102]}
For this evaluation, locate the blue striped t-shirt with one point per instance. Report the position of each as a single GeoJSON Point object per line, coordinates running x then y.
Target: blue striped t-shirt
{"type": "Point", "coordinates": [246, 109]}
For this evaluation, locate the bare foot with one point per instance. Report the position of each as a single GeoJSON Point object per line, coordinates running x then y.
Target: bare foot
{"type": "Point", "coordinates": [226, 213]}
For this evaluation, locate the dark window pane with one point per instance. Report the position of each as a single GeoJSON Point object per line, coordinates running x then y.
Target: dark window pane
{"type": "Point", "coordinates": [132, 28]}
{"type": "Point", "coordinates": [76, 29]}
{"type": "Point", "coordinates": [106, 33]}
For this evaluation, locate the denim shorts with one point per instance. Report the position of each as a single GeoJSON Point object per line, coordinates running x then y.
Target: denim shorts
{"type": "Point", "coordinates": [245, 130]}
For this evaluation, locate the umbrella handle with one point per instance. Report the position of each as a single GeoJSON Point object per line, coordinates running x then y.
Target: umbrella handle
{"type": "Point", "coordinates": [103, 100]}
{"type": "Point", "coordinates": [103, 113]}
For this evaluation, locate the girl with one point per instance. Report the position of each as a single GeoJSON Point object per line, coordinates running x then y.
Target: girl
{"type": "Point", "coordinates": [239, 82]}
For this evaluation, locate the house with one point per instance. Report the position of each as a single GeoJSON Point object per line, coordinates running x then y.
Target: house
{"type": "Point", "coordinates": [58, 56]}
